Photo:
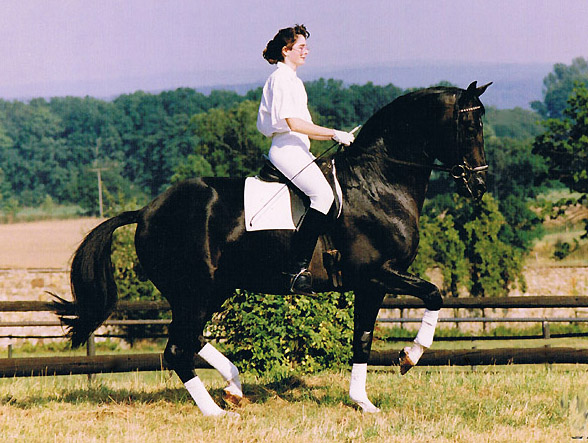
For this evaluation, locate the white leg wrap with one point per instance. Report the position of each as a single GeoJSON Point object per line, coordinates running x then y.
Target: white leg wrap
{"type": "Point", "coordinates": [224, 366]}
{"type": "Point", "coordinates": [427, 329]}
{"type": "Point", "coordinates": [424, 338]}
{"type": "Point", "coordinates": [202, 398]}
{"type": "Point", "coordinates": [357, 391]}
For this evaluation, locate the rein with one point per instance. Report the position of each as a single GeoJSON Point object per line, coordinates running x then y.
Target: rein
{"type": "Point", "coordinates": [456, 171]}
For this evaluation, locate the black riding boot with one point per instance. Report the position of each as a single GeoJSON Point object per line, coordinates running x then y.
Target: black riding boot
{"type": "Point", "coordinates": [303, 244]}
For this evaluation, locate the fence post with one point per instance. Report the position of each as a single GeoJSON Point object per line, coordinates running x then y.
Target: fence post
{"type": "Point", "coordinates": [545, 327]}
{"type": "Point", "coordinates": [474, 367]}
{"type": "Point", "coordinates": [10, 346]}
{"type": "Point", "coordinates": [90, 351]}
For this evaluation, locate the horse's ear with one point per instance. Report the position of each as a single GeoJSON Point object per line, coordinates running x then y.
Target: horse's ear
{"type": "Point", "coordinates": [472, 87]}
{"type": "Point", "coordinates": [482, 89]}
{"type": "Point", "coordinates": [474, 90]}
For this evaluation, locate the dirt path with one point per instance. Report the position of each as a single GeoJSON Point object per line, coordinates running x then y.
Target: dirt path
{"type": "Point", "coordinates": [44, 244]}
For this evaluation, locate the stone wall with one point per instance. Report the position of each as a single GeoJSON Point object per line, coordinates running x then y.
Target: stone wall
{"type": "Point", "coordinates": [31, 285]}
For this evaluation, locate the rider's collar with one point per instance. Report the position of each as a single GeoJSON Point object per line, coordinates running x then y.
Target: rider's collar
{"type": "Point", "coordinates": [286, 68]}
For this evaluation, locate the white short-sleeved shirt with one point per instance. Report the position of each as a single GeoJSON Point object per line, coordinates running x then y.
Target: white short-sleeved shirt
{"type": "Point", "coordinates": [284, 96]}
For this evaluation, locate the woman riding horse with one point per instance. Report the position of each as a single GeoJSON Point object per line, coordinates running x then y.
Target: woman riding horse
{"type": "Point", "coordinates": [284, 116]}
{"type": "Point", "coordinates": [193, 244]}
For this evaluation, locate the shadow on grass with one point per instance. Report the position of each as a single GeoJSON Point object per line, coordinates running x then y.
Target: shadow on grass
{"type": "Point", "coordinates": [291, 389]}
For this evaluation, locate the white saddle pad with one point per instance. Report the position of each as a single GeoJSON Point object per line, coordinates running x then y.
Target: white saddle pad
{"type": "Point", "coordinates": [267, 206]}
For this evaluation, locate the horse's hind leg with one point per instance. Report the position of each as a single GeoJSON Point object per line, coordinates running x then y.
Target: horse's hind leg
{"type": "Point", "coordinates": [228, 371]}
{"type": "Point", "coordinates": [185, 340]}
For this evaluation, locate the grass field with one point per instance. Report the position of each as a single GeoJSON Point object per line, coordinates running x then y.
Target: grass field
{"type": "Point", "coordinates": [494, 404]}
{"type": "Point", "coordinates": [517, 403]}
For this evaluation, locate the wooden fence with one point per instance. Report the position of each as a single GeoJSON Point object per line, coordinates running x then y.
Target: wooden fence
{"type": "Point", "coordinates": [16, 367]}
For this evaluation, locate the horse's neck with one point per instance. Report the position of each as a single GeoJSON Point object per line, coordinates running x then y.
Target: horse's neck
{"type": "Point", "coordinates": [383, 179]}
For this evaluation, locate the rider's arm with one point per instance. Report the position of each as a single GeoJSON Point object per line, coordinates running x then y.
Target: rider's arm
{"type": "Point", "coordinates": [313, 131]}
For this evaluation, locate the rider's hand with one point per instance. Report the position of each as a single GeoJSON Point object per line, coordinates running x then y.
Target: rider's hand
{"type": "Point", "coordinates": [342, 137]}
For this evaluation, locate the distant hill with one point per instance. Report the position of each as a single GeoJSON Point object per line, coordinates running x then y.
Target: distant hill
{"type": "Point", "coordinates": [515, 85]}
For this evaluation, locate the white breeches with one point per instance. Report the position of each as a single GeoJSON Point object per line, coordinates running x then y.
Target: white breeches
{"type": "Point", "coordinates": [291, 159]}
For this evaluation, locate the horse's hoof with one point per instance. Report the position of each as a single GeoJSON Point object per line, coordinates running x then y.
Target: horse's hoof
{"type": "Point", "coordinates": [234, 401]}
{"type": "Point", "coordinates": [231, 414]}
{"type": "Point", "coordinates": [404, 362]}
{"type": "Point", "coordinates": [369, 408]}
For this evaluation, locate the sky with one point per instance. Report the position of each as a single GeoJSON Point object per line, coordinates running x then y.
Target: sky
{"type": "Point", "coordinates": [72, 47]}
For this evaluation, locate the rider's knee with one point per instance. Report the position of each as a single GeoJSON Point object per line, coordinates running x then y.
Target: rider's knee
{"type": "Point", "coordinates": [322, 200]}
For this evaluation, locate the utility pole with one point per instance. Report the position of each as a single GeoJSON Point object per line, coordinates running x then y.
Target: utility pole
{"type": "Point", "coordinates": [98, 170]}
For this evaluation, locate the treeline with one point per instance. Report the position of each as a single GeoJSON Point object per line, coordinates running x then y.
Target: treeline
{"type": "Point", "coordinates": [142, 142]}
{"type": "Point", "coordinates": [52, 148]}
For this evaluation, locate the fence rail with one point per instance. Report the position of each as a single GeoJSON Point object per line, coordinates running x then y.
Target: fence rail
{"type": "Point", "coordinates": [91, 364]}
{"type": "Point", "coordinates": [26, 367]}
{"type": "Point", "coordinates": [538, 301]}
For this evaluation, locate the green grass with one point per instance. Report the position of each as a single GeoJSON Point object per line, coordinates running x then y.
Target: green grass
{"type": "Point", "coordinates": [42, 212]}
{"type": "Point", "coordinates": [512, 403]}
{"type": "Point", "coordinates": [447, 404]}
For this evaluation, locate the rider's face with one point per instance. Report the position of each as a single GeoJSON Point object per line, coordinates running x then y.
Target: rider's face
{"type": "Point", "coordinates": [297, 55]}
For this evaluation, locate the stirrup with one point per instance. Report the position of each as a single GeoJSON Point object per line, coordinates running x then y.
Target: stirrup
{"type": "Point", "coordinates": [301, 283]}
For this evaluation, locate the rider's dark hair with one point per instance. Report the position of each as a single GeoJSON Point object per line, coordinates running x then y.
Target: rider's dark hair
{"type": "Point", "coordinates": [285, 37]}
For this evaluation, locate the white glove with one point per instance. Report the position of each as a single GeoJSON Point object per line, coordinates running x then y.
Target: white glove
{"type": "Point", "coordinates": [342, 137]}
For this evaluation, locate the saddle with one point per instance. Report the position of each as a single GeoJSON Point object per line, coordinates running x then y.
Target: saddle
{"type": "Point", "coordinates": [331, 257]}
{"type": "Point", "coordinates": [269, 173]}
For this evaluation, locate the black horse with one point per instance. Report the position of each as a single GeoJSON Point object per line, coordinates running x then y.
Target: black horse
{"type": "Point", "coordinates": [192, 243]}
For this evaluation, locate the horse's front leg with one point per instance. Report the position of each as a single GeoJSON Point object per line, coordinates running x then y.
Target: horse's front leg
{"type": "Point", "coordinates": [402, 283]}
{"type": "Point", "coordinates": [366, 307]}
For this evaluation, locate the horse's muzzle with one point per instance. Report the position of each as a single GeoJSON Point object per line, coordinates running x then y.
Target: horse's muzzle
{"type": "Point", "coordinates": [473, 187]}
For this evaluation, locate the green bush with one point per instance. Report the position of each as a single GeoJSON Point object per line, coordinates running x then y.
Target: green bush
{"type": "Point", "coordinates": [289, 334]}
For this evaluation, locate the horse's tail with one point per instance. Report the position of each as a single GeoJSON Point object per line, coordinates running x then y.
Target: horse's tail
{"type": "Point", "coordinates": [92, 282]}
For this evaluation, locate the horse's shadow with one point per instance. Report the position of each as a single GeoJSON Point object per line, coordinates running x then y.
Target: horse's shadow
{"type": "Point", "coordinates": [291, 389]}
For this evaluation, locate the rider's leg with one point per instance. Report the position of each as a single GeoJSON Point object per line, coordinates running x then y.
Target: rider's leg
{"type": "Point", "coordinates": [303, 244]}
{"type": "Point", "coordinates": [297, 164]}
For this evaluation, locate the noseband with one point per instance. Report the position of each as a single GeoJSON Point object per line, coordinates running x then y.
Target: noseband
{"type": "Point", "coordinates": [463, 171]}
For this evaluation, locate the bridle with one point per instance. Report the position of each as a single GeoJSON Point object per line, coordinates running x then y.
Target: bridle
{"type": "Point", "coordinates": [459, 170]}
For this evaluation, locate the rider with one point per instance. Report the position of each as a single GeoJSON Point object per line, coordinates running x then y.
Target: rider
{"type": "Point", "coordinates": [284, 116]}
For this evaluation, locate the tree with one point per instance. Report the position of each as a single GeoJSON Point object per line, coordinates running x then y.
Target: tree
{"type": "Point", "coordinates": [441, 247]}
{"type": "Point", "coordinates": [565, 143]}
{"type": "Point", "coordinates": [558, 86]}
{"type": "Point", "coordinates": [514, 169]}
{"type": "Point", "coordinates": [470, 244]}
{"type": "Point", "coordinates": [229, 144]}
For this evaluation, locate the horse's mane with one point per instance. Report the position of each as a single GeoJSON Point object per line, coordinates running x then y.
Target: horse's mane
{"type": "Point", "coordinates": [394, 131]}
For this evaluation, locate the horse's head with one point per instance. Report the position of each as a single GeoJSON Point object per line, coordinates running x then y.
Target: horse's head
{"type": "Point", "coordinates": [409, 134]}
{"type": "Point", "coordinates": [467, 159]}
